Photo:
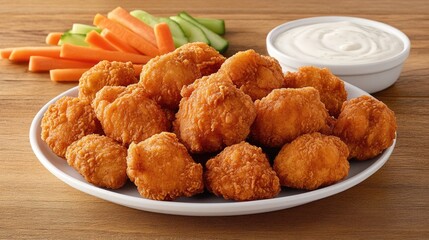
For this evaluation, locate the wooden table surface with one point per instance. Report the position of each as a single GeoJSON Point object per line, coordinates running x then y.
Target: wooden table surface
{"type": "Point", "coordinates": [391, 204]}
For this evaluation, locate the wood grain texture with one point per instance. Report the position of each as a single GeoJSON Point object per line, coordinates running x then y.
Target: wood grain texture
{"type": "Point", "coordinates": [391, 204]}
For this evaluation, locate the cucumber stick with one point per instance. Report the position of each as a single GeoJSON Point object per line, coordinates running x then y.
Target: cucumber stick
{"type": "Point", "coordinates": [73, 38]}
{"type": "Point", "coordinates": [192, 32]}
{"type": "Point", "coordinates": [174, 27]}
{"type": "Point", "coordinates": [79, 28]}
{"type": "Point", "coordinates": [216, 41]}
{"type": "Point", "coordinates": [145, 17]}
{"type": "Point", "coordinates": [216, 25]}
{"type": "Point", "coordinates": [180, 41]}
{"type": "Point", "coordinates": [179, 36]}
{"type": "Point", "coordinates": [184, 28]}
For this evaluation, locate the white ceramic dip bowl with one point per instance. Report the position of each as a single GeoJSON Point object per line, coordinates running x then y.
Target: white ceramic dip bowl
{"type": "Point", "coordinates": [372, 76]}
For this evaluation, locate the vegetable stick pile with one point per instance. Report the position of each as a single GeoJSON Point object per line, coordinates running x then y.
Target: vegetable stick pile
{"type": "Point", "coordinates": [123, 36]}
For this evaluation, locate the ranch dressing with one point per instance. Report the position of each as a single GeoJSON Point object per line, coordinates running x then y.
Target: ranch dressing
{"type": "Point", "coordinates": [338, 43]}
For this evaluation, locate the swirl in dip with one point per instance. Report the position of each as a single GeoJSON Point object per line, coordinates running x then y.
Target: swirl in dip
{"type": "Point", "coordinates": [338, 43]}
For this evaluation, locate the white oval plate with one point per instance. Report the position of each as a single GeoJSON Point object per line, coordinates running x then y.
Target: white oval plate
{"type": "Point", "coordinates": [203, 204]}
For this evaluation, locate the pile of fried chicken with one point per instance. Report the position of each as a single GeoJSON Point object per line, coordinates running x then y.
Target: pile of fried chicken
{"type": "Point", "coordinates": [194, 102]}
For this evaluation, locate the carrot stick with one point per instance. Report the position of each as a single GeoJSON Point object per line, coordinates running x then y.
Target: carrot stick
{"type": "Point", "coordinates": [41, 64]}
{"type": "Point", "coordinates": [95, 55]}
{"type": "Point", "coordinates": [164, 39]}
{"type": "Point", "coordinates": [122, 16]}
{"type": "Point", "coordinates": [23, 53]}
{"type": "Point", "coordinates": [94, 39]}
{"type": "Point", "coordinates": [66, 75]}
{"type": "Point", "coordinates": [139, 43]}
{"type": "Point", "coordinates": [53, 38]}
{"type": "Point", "coordinates": [117, 42]}
{"type": "Point", "coordinates": [5, 52]}
{"type": "Point", "coordinates": [74, 74]}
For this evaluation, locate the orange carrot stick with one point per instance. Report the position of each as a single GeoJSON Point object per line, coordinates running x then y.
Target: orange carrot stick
{"type": "Point", "coordinates": [95, 55]}
{"type": "Point", "coordinates": [5, 52]}
{"type": "Point", "coordinates": [117, 42]}
{"type": "Point", "coordinates": [66, 75]}
{"type": "Point", "coordinates": [139, 43]}
{"type": "Point", "coordinates": [94, 39]}
{"type": "Point", "coordinates": [74, 74]}
{"type": "Point", "coordinates": [53, 38]}
{"type": "Point", "coordinates": [122, 16]}
{"type": "Point", "coordinates": [164, 39]}
{"type": "Point", "coordinates": [24, 53]}
{"type": "Point", "coordinates": [42, 64]}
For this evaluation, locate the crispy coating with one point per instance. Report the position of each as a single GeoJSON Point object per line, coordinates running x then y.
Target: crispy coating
{"type": "Point", "coordinates": [164, 76]}
{"type": "Point", "coordinates": [367, 126]}
{"type": "Point", "coordinates": [328, 128]}
{"type": "Point", "coordinates": [162, 168]}
{"type": "Point", "coordinates": [241, 172]}
{"type": "Point", "coordinates": [255, 74]}
{"type": "Point", "coordinates": [312, 161]}
{"type": "Point", "coordinates": [287, 113]}
{"type": "Point", "coordinates": [189, 89]}
{"type": "Point", "coordinates": [331, 88]}
{"type": "Point", "coordinates": [100, 160]}
{"type": "Point", "coordinates": [127, 114]}
{"type": "Point", "coordinates": [105, 73]}
{"type": "Point", "coordinates": [66, 121]}
{"type": "Point", "coordinates": [171, 116]}
{"type": "Point", "coordinates": [212, 115]}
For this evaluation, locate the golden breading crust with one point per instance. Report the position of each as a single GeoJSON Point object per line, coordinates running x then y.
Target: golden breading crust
{"type": "Point", "coordinates": [256, 75]}
{"type": "Point", "coordinates": [100, 160]}
{"type": "Point", "coordinates": [311, 161]}
{"type": "Point", "coordinates": [331, 88]}
{"type": "Point", "coordinates": [241, 172]}
{"type": "Point", "coordinates": [287, 113]}
{"type": "Point", "coordinates": [162, 168]}
{"type": "Point", "coordinates": [213, 115]}
{"type": "Point", "coordinates": [367, 126]}
{"type": "Point", "coordinates": [66, 121]}
{"type": "Point", "coordinates": [128, 115]}
{"type": "Point", "coordinates": [105, 73]}
{"type": "Point", "coordinates": [164, 76]}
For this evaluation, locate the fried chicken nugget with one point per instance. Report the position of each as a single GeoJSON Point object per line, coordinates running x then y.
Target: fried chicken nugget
{"type": "Point", "coordinates": [105, 73]}
{"type": "Point", "coordinates": [127, 114]}
{"type": "Point", "coordinates": [100, 160]}
{"type": "Point", "coordinates": [331, 88]}
{"type": "Point", "coordinates": [213, 114]}
{"type": "Point", "coordinates": [287, 113]}
{"type": "Point", "coordinates": [312, 161]}
{"type": "Point", "coordinates": [66, 121]}
{"type": "Point", "coordinates": [164, 76]}
{"type": "Point", "coordinates": [367, 126]}
{"type": "Point", "coordinates": [162, 168]}
{"type": "Point", "coordinates": [255, 74]}
{"type": "Point", "coordinates": [241, 172]}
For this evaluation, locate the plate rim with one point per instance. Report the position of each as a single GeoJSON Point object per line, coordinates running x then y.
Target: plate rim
{"type": "Point", "coordinates": [199, 209]}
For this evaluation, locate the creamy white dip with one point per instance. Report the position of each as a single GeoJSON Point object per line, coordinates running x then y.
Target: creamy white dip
{"type": "Point", "coordinates": [338, 43]}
